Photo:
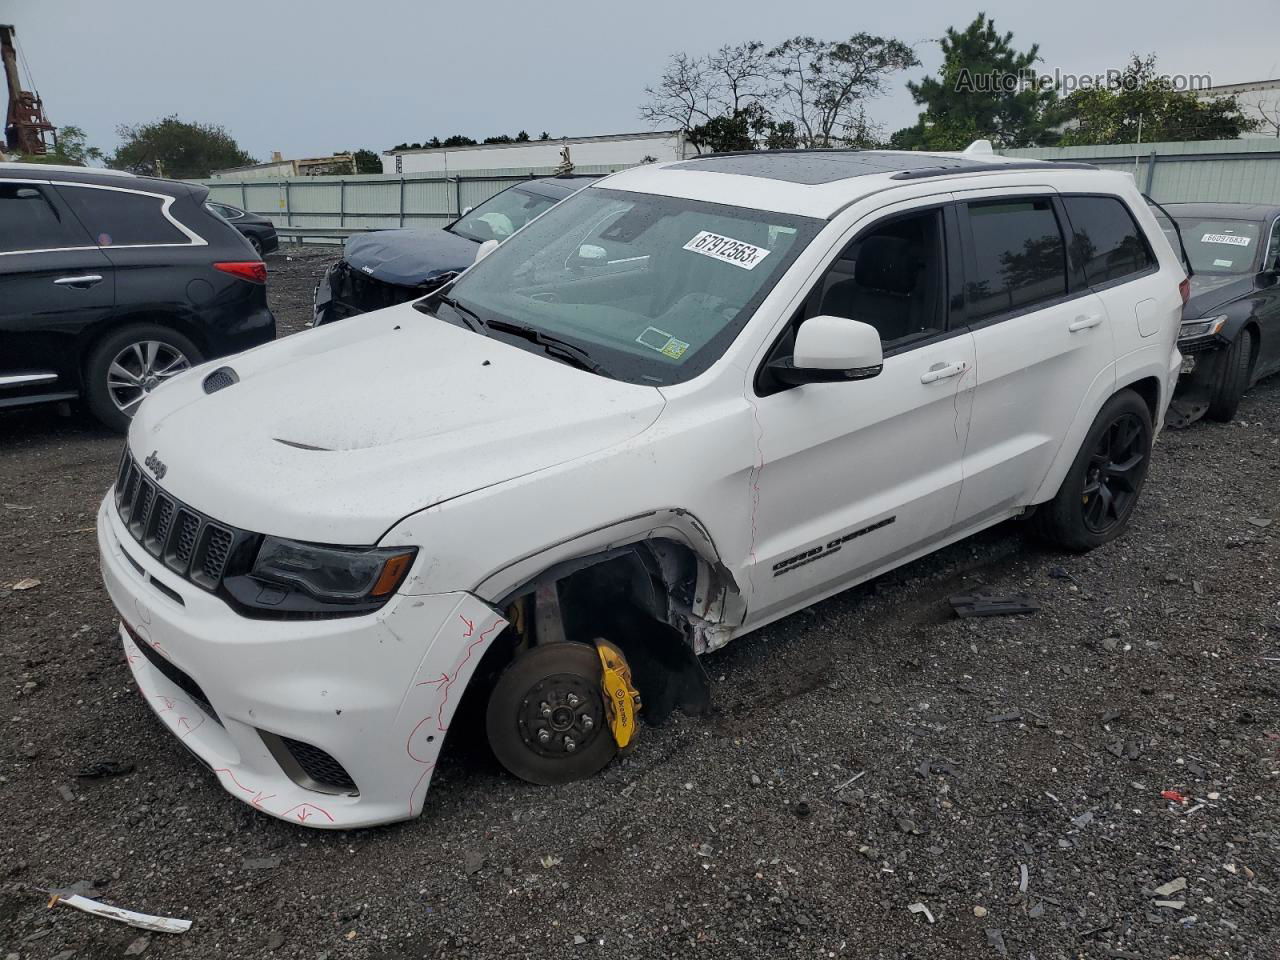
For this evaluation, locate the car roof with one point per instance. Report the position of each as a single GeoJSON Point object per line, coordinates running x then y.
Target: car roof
{"type": "Point", "coordinates": [1225, 211]}
{"type": "Point", "coordinates": [816, 183]}
{"type": "Point", "coordinates": [92, 175]}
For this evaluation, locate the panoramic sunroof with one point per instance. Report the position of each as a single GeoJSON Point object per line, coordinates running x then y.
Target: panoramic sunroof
{"type": "Point", "coordinates": [819, 166]}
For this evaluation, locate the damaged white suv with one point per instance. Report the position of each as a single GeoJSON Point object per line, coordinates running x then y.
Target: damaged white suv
{"type": "Point", "coordinates": [689, 400]}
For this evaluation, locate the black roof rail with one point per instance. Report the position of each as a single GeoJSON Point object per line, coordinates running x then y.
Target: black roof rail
{"type": "Point", "coordinates": [922, 173]}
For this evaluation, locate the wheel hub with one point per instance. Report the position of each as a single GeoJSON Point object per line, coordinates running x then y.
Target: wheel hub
{"type": "Point", "coordinates": [1114, 474]}
{"type": "Point", "coordinates": [139, 368]}
{"type": "Point", "coordinates": [559, 715]}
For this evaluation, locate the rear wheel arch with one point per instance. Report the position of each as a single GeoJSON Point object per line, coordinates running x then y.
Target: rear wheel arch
{"type": "Point", "coordinates": [180, 324]}
{"type": "Point", "coordinates": [1149, 389]}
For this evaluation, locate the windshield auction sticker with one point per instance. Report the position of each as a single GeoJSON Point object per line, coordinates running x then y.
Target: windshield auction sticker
{"type": "Point", "coordinates": [663, 342]}
{"type": "Point", "coordinates": [736, 252]}
{"type": "Point", "coordinates": [1230, 238]}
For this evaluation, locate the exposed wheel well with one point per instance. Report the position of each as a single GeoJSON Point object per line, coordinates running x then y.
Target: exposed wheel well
{"type": "Point", "coordinates": [116, 324]}
{"type": "Point", "coordinates": [640, 596]}
{"type": "Point", "coordinates": [1254, 346]}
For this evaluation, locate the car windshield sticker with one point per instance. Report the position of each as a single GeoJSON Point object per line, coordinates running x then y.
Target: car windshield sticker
{"type": "Point", "coordinates": [726, 249]}
{"type": "Point", "coordinates": [1223, 263]}
{"type": "Point", "coordinates": [1230, 238]}
{"type": "Point", "coordinates": [663, 342]}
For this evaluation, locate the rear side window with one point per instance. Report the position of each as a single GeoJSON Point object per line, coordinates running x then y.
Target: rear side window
{"type": "Point", "coordinates": [1018, 256]}
{"type": "Point", "coordinates": [28, 221]}
{"type": "Point", "coordinates": [115, 218]}
{"type": "Point", "coordinates": [1105, 241]}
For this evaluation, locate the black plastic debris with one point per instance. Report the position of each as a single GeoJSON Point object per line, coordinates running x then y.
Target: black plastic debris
{"type": "Point", "coordinates": [992, 605]}
{"type": "Point", "coordinates": [105, 768]}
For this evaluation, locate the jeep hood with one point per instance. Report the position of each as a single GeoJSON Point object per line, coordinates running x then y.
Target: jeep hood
{"type": "Point", "coordinates": [409, 258]}
{"type": "Point", "coordinates": [335, 434]}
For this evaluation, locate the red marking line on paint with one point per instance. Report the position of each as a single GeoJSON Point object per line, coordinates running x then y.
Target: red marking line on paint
{"type": "Point", "coordinates": [303, 812]}
{"type": "Point", "coordinates": [237, 782]}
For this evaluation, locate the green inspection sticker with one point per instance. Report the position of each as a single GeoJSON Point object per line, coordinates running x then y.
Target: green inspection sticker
{"type": "Point", "coordinates": [663, 342]}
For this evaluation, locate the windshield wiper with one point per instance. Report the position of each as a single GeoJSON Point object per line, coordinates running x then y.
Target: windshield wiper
{"type": "Point", "coordinates": [552, 345]}
{"type": "Point", "coordinates": [472, 319]}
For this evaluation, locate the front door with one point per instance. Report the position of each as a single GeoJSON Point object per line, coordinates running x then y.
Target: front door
{"type": "Point", "coordinates": [857, 475]}
{"type": "Point", "coordinates": [54, 282]}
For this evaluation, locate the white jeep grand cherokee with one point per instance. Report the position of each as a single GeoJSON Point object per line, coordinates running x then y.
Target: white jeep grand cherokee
{"type": "Point", "coordinates": [687, 401]}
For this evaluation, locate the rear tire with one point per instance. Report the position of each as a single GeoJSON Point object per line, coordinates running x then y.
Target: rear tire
{"type": "Point", "coordinates": [146, 353]}
{"type": "Point", "coordinates": [571, 740]}
{"type": "Point", "coordinates": [1099, 492]}
{"type": "Point", "coordinates": [257, 246]}
{"type": "Point", "coordinates": [1234, 379]}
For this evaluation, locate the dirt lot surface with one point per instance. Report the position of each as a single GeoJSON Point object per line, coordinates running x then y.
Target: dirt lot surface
{"type": "Point", "coordinates": [1009, 771]}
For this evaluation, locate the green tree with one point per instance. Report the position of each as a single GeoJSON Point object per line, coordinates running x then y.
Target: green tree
{"type": "Point", "coordinates": [824, 87]}
{"type": "Point", "coordinates": [176, 148]}
{"type": "Point", "coordinates": [73, 149]}
{"type": "Point", "coordinates": [367, 161]}
{"type": "Point", "coordinates": [457, 140]}
{"type": "Point", "coordinates": [985, 88]}
{"type": "Point", "coordinates": [1144, 105]}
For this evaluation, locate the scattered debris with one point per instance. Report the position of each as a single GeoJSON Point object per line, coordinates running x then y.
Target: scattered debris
{"type": "Point", "coordinates": [1260, 522]}
{"type": "Point", "coordinates": [1023, 878]}
{"type": "Point", "coordinates": [259, 863]}
{"type": "Point", "coordinates": [1008, 717]}
{"type": "Point", "coordinates": [995, 939]}
{"type": "Point", "coordinates": [579, 939]}
{"type": "Point", "coordinates": [1170, 904]}
{"type": "Point", "coordinates": [26, 583]}
{"type": "Point", "coordinates": [1173, 796]}
{"type": "Point", "coordinates": [275, 940]}
{"type": "Point", "coordinates": [801, 809]}
{"type": "Point", "coordinates": [549, 861]}
{"type": "Point", "coordinates": [921, 908]}
{"type": "Point", "coordinates": [939, 767]}
{"type": "Point", "coordinates": [1084, 819]}
{"type": "Point", "coordinates": [992, 605]}
{"type": "Point", "coordinates": [1172, 887]}
{"type": "Point", "coordinates": [1125, 749]}
{"type": "Point", "coordinates": [66, 792]}
{"type": "Point", "coordinates": [1111, 715]}
{"type": "Point", "coordinates": [979, 912]}
{"type": "Point", "coordinates": [138, 946]}
{"type": "Point", "coordinates": [854, 779]}
{"type": "Point", "coordinates": [472, 861]}
{"type": "Point", "coordinates": [143, 920]}
{"type": "Point", "coordinates": [105, 768]}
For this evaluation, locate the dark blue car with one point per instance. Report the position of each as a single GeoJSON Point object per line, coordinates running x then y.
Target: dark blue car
{"type": "Point", "coordinates": [386, 267]}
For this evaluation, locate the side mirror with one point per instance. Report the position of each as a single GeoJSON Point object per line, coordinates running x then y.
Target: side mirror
{"type": "Point", "coordinates": [591, 252]}
{"type": "Point", "coordinates": [831, 350]}
{"type": "Point", "coordinates": [485, 249]}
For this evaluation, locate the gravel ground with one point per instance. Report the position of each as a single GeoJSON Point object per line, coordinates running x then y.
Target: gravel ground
{"type": "Point", "coordinates": [1008, 771]}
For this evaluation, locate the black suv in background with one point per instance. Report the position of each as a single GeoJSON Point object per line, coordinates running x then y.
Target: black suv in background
{"type": "Point", "coordinates": [385, 267]}
{"type": "Point", "coordinates": [110, 284]}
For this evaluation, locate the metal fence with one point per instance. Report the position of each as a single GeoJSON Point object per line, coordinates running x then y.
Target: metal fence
{"type": "Point", "coordinates": [327, 209]}
{"type": "Point", "coordinates": [1243, 171]}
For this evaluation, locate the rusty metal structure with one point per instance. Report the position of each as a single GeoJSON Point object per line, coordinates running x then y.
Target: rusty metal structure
{"type": "Point", "coordinates": [26, 129]}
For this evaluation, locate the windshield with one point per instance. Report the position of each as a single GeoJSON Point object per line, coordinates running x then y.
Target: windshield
{"type": "Point", "coordinates": [502, 215]}
{"type": "Point", "coordinates": [1222, 247]}
{"type": "Point", "coordinates": [651, 288]}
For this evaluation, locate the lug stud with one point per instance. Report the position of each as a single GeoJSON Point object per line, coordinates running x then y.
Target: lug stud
{"type": "Point", "coordinates": [569, 745]}
{"type": "Point", "coordinates": [573, 699]}
{"type": "Point", "coordinates": [587, 722]}
{"type": "Point", "coordinates": [544, 735]}
{"type": "Point", "coordinates": [544, 708]}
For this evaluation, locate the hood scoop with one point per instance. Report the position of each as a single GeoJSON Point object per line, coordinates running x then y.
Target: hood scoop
{"type": "Point", "coordinates": [220, 379]}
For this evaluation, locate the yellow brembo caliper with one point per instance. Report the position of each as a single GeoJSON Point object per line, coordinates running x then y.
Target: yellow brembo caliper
{"type": "Point", "coordinates": [621, 698]}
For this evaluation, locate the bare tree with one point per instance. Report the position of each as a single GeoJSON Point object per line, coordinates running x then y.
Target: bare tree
{"type": "Point", "coordinates": [684, 94]}
{"type": "Point", "coordinates": [1266, 110]}
{"type": "Point", "coordinates": [741, 74]}
{"type": "Point", "coordinates": [825, 86]}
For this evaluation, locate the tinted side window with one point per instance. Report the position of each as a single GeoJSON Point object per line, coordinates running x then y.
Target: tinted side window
{"type": "Point", "coordinates": [1019, 258]}
{"type": "Point", "coordinates": [115, 219]}
{"type": "Point", "coordinates": [1272, 261]}
{"type": "Point", "coordinates": [1105, 240]}
{"type": "Point", "coordinates": [29, 222]}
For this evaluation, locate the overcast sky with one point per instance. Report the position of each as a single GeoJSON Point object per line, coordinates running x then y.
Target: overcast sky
{"type": "Point", "coordinates": [315, 77]}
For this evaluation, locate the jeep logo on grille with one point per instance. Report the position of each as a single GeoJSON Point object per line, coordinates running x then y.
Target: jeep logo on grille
{"type": "Point", "coordinates": [156, 465]}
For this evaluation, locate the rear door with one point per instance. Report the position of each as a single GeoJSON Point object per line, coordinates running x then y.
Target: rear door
{"type": "Point", "coordinates": [1268, 304]}
{"type": "Point", "coordinates": [1043, 342]}
{"type": "Point", "coordinates": [54, 284]}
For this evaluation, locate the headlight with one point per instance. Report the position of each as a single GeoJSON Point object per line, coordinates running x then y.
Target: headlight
{"type": "Point", "coordinates": [333, 574]}
{"type": "Point", "coordinates": [1205, 327]}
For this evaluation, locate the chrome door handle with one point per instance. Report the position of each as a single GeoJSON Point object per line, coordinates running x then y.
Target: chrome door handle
{"type": "Point", "coordinates": [1084, 323]}
{"type": "Point", "coordinates": [941, 371]}
{"type": "Point", "coordinates": [82, 282]}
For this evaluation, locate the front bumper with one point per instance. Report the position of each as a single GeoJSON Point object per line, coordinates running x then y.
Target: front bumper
{"type": "Point", "coordinates": [1198, 378]}
{"type": "Point", "coordinates": [375, 692]}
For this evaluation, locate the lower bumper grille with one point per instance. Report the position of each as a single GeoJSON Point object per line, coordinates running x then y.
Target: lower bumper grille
{"type": "Point", "coordinates": [178, 677]}
{"type": "Point", "coordinates": [308, 766]}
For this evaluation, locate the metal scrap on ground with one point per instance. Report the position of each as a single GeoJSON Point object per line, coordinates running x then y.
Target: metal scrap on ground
{"type": "Point", "coordinates": [144, 920]}
{"type": "Point", "coordinates": [991, 605]}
